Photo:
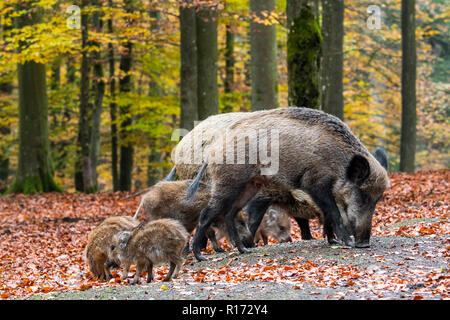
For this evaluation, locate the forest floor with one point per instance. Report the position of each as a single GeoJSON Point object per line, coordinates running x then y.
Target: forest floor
{"type": "Point", "coordinates": [42, 239]}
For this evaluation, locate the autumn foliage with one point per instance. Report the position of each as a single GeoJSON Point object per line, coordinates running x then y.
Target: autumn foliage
{"type": "Point", "coordinates": [42, 239]}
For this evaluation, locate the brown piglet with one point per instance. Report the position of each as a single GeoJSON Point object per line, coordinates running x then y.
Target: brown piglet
{"type": "Point", "coordinates": [99, 241]}
{"type": "Point", "coordinates": [149, 244]}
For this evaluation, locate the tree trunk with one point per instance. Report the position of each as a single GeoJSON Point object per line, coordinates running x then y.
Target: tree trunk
{"type": "Point", "coordinates": [332, 63]}
{"type": "Point", "coordinates": [34, 172]}
{"type": "Point", "coordinates": [154, 168]}
{"type": "Point", "coordinates": [188, 70]}
{"type": "Point", "coordinates": [126, 146]}
{"type": "Point", "coordinates": [113, 109]}
{"type": "Point", "coordinates": [99, 92]}
{"type": "Point", "coordinates": [207, 92]}
{"type": "Point", "coordinates": [87, 113]}
{"type": "Point", "coordinates": [408, 127]}
{"type": "Point", "coordinates": [263, 55]}
{"type": "Point", "coordinates": [303, 54]}
{"type": "Point", "coordinates": [229, 68]}
{"type": "Point", "coordinates": [5, 90]}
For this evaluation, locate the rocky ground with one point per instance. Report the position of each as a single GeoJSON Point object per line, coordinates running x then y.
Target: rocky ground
{"type": "Point", "coordinates": [394, 267]}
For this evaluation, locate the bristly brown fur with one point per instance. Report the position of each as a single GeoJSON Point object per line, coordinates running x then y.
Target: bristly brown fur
{"type": "Point", "coordinates": [166, 199]}
{"type": "Point", "coordinates": [317, 154]}
{"type": "Point", "coordinates": [150, 244]}
{"type": "Point", "coordinates": [99, 241]}
{"type": "Point", "coordinates": [276, 223]}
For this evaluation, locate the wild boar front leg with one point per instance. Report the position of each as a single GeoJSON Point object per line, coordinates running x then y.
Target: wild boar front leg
{"type": "Point", "coordinates": [139, 268]}
{"type": "Point", "coordinates": [322, 195]}
{"type": "Point", "coordinates": [106, 273]}
{"type": "Point", "coordinates": [126, 269]}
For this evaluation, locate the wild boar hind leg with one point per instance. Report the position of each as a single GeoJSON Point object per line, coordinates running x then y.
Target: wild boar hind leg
{"type": "Point", "coordinates": [220, 203]}
{"type": "Point", "coordinates": [171, 270]}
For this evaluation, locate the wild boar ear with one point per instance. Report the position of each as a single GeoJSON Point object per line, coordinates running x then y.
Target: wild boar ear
{"type": "Point", "coordinates": [381, 156]}
{"type": "Point", "coordinates": [358, 169]}
{"type": "Point", "coordinates": [123, 239]}
{"type": "Point", "coordinates": [272, 214]}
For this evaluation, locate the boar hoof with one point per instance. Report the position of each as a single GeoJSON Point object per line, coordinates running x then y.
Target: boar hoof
{"type": "Point", "coordinates": [244, 250]}
{"type": "Point", "coordinates": [219, 249]}
{"type": "Point", "coordinates": [201, 257]}
{"type": "Point", "coordinates": [362, 245]}
{"type": "Point", "coordinates": [248, 243]}
{"type": "Point", "coordinates": [333, 241]}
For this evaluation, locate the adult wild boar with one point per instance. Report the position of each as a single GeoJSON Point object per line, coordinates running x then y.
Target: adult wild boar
{"type": "Point", "coordinates": [188, 157]}
{"type": "Point", "coordinates": [313, 155]}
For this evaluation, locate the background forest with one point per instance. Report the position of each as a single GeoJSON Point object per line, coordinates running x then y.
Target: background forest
{"type": "Point", "coordinates": [113, 79]}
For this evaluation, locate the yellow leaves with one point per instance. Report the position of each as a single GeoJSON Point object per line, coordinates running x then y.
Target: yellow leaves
{"type": "Point", "coordinates": [266, 18]}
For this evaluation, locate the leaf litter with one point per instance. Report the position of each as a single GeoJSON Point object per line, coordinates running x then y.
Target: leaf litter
{"type": "Point", "coordinates": [43, 236]}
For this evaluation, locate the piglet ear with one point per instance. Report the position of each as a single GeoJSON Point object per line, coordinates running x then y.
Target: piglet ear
{"type": "Point", "coordinates": [358, 169]}
{"type": "Point", "coordinates": [123, 239]}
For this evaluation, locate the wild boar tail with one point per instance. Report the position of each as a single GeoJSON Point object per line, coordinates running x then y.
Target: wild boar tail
{"type": "Point", "coordinates": [171, 175]}
{"type": "Point", "coordinates": [139, 208]}
{"type": "Point", "coordinates": [192, 189]}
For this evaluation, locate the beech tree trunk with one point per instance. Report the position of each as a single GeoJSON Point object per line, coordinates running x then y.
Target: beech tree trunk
{"type": "Point", "coordinates": [332, 63]}
{"type": "Point", "coordinates": [207, 54]}
{"type": "Point", "coordinates": [35, 171]}
{"type": "Point", "coordinates": [113, 109]}
{"type": "Point", "coordinates": [188, 70]}
{"type": "Point", "coordinates": [229, 67]}
{"type": "Point", "coordinates": [303, 54]}
{"type": "Point", "coordinates": [263, 55]}
{"type": "Point", "coordinates": [98, 85]}
{"type": "Point", "coordinates": [408, 126]}
{"type": "Point", "coordinates": [126, 146]}
{"type": "Point", "coordinates": [5, 90]}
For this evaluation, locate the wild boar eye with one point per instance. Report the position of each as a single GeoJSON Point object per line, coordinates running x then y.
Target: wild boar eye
{"type": "Point", "coordinates": [282, 228]}
{"type": "Point", "coordinates": [112, 248]}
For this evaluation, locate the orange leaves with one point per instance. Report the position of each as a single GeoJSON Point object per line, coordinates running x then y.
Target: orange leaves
{"type": "Point", "coordinates": [425, 230]}
{"type": "Point", "coordinates": [85, 286]}
{"type": "Point", "coordinates": [42, 238]}
{"type": "Point", "coordinates": [414, 205]}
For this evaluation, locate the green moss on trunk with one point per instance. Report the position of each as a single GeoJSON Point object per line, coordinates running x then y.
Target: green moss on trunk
{"type": "Point", "coordinates": [303, 56]}
{"type": "Point", "coordinates": [35, 170]}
